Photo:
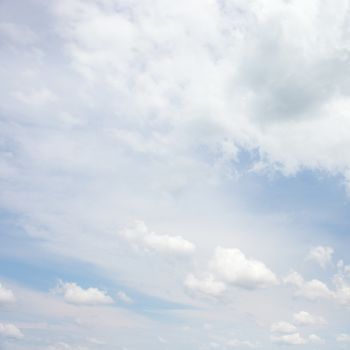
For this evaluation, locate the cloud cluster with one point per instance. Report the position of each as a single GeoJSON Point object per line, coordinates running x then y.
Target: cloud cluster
{"type": "Point", "coordinates": [283, 332]}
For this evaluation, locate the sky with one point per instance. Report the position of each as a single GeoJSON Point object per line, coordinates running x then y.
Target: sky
{"type": "Point", "coordinates": [174, 174]}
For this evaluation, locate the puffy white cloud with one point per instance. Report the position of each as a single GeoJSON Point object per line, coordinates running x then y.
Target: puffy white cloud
{"type": "Point", "coordinates": [123, 297]}
{"type": "Point", "coordinates": [283, 327]}
{"type": "Point", "coordinates": [75, 294]}
{"type": "Point", "coordinates": [321, 255]}
{"type": "Point", "coordinates": [304, 318]}
{"type": "Point", "coordinates": [233, 267]}
{"type": "Point", "coordinates": [289, 339]}
{"type": "Point", "coordinates": [142, 237]}
{"type": "Point", "coordinates": [6, 295]}
{"type": "Point", "coordinates": [9, 330]}
{"type": "Point", "coordinates": [207, 285]}
{"type": "Point", "coordinates": [297, 339]}
{"type": "Point", "coordinates": [312, 290]}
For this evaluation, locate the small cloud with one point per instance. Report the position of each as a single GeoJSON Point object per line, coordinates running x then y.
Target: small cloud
{"type": "Point", "coordinates": [321, 255]}
{"type": "Point", "coordinates": [315, 339]}
{"type": "Point", "coordinates": [343, 338]}
{"type": "Point", "coordinates": [312, 290]}
{"type": "Point", "coordinates": [208, 285]}
{"type": "Point", "coordinates": [141, 237]}
{"type": "Point", "coordinates": [283, 327]}
{"type": "Point", "coordinates": [96, 341]}
{"type": "Point", "coordinates": [123, 297]}
{"type": "Point", "coordinates": [237, 343]}
{"type": "Point", "coordinates": [75, 294]}
{"type": "Point", "coordinates": [232, 266]}
{"type": "Point", "coordinates": [304, 318]}
{"type": "Point", "coordinates": [289, 339]}
{"type": "Point", "coordinates": [6, 295]}
{"type": "Point", "coordinates": [9, 330]}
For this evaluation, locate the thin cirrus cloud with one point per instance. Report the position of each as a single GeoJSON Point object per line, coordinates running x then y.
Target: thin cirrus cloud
{"type": "Point", "coordinates": [74, 294]}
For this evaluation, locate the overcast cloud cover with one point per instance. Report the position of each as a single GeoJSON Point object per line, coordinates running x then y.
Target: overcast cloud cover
{"type": "Point", "coordinates": [174, 174]}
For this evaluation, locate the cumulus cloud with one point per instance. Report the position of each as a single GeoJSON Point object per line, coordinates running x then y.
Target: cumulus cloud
{"type": "Point", "coordinates": [123, 297]}
{"type": "Point", "coordinates": [207, 285]}
{"type": "Point", "coordinates": [312, 290]}
{"type": "Point", "coordinates": [289, 339]}
{"type": "Point", "coordinates": [142, 237]}
{"type": "Point", "coordinates": [321, 255]}
{"type": "Point", "coordinates": [304, 318]}
{"type": "Point", "coordinates": [297, 339]}
{"type": "Point", "coordinates": [9, 330]}
{"type": "Point", "coordinates": [75, 294]}
{"type": "Point", "coordinates": [6, 295]}
{"type": "Point", "coordinates": [233, 267]}
{"type": "Point", "coordinates": [283, 327]}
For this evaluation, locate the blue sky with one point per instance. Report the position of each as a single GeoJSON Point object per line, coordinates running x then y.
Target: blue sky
{"type": "Point", "coordinates": [174, 175]}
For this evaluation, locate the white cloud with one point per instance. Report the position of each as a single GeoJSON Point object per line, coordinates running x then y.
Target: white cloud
{"type": "Point", "coordinates": [343, 338]}
{"type": "Point", "coordinates": [321, 255]}
{"type": "Point", "coordinates": [235, 268]}
{"type": "Point", "coordinates": [237, 343]}
{"type": "Point", "coordinates": [96, 341]}
{"type": "Point", "coordinates": [141, 236]}
{"type": "Point", "coordinates": [283, 327]}
{"type": "Point", "coordinates": [289, 339]}
{"type": "Point", "coordinates": [6, 295]}
{"type": "Point", "coordinates": [312, 290]}
{"type": "Point", "coordinates": [304, 318]}
{"type": "Point", "coordinates": [341, 281]}
{"type": "Point", "coordinates": [75, 294]}
{"type": "Point", "coordinates": [315, 339]}
{"type": "Point", "coordinates": [208, 285]}
{"type": "Point", "coordinates": [9, 330]}
{"type": "Point", "coordinates": [123, 297]}
{"type": "Point", "coordinates": [66, 346]}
